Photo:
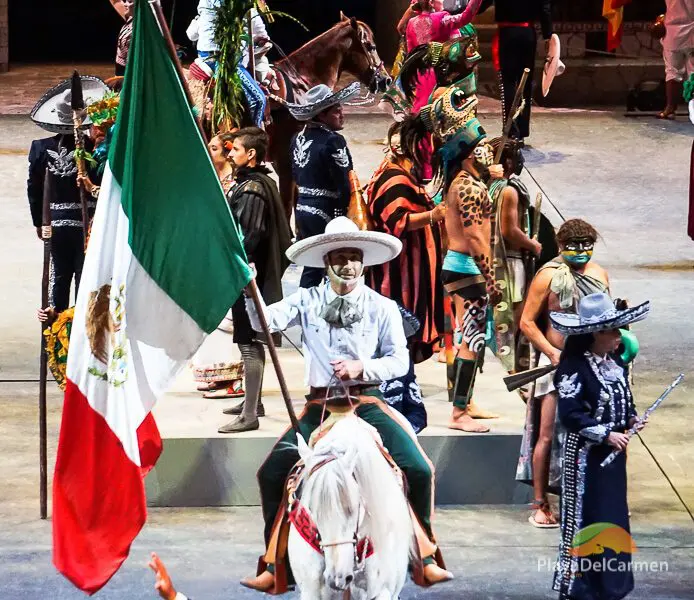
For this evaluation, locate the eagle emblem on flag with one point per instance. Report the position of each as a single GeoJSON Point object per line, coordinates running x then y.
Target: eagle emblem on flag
{"type": "Point", "coordinates": [104, 330]}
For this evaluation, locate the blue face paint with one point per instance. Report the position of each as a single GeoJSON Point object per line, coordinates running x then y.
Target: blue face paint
{"type": "Point", "coordinates": [576, 258]}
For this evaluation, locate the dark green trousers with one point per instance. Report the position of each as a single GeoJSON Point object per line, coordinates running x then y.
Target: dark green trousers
{"type": "Point", "coordinates": [402, 447]}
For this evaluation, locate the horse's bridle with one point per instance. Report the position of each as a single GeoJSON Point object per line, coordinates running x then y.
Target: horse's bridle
{"type": "Point", "coordinates": [363, 548]}
{"type": "Point", "coordinates": [369, 47]}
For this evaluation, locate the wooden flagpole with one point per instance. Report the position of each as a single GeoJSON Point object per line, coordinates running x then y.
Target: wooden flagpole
{"type": "Point", "coordinates": [252, 287]}
{"type": "Point", "coordinates": [46, 233]}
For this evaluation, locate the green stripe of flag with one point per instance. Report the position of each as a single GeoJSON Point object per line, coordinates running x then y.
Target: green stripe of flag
{"type": "Point", "coordinates": [181, 229]}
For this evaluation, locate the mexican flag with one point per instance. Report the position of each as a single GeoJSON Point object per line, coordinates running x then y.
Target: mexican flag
{"type": "Point", "coordinates": [165, 262]}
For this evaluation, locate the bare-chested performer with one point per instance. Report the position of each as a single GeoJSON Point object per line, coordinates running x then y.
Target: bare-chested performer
{"type": "Point", "coordinates": [512, 241]}
{"type": "Point", "coordinates": [467, 272]}
{"type": "Point", "coordinates": [557, 286]}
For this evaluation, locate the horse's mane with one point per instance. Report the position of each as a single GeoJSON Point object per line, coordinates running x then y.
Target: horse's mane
{"type": "Point", "coordinates": [387, 519]}
{"type": "Point", "coordinates": [319, 39]}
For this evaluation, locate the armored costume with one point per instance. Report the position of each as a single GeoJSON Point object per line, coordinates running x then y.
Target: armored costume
{"type": "Point", "coordinates": [257, 207]}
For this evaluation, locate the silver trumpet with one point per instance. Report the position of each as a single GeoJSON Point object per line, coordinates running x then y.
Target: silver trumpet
{"type": "Point", "coordinates": [645, 416]}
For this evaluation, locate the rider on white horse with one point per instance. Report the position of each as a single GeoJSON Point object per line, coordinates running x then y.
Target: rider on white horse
{"type": "Point", "coordinates": [355, 334]}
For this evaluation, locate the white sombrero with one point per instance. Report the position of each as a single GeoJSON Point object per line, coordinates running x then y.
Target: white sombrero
{"type": "Point", "coordinates": [320, 98]}
{"type": "Point", "coordinates": [597, 312]}
{"type": "Point", "coordinates": [553, 64]}
{"type": "Point", "coordinates": [340, 233]}
{"type": "Point", "coordinates": [53, 111]}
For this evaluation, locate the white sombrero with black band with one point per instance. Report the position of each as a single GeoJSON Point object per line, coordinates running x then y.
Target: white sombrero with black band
{"type": "Point", "coordinates": [53, 111]}
{"type": "Point", "coordinates": [320, 98]}
{"type": "Point", "coordinates": [597, 312]}
{"type": "Point", "coordinates": [341, 233]}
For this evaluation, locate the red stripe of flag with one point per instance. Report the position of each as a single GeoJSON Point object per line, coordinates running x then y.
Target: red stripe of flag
{"type": "Point", "coordinates": [99, 503]}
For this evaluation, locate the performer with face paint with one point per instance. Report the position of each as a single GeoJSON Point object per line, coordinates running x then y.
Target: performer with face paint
{"type": "Point", "coordinates": [353, 335]}
{"type": "Point", "coordinates": [467, 272]}
{"type": "Point", "coordinates": [558, 286]}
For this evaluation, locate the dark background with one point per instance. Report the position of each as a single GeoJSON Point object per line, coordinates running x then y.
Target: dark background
{"type": "Point", "coordinates": [86, 30]}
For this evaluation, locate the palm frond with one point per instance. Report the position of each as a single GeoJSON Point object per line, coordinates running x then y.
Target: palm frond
{"type": "Point", "coordinates": [228, 101]}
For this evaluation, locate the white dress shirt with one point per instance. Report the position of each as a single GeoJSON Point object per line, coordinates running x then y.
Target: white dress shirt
{"type": "Point", "coordinates": [378, 340]}
{"type": "Point", "coordinates": [679, 25]}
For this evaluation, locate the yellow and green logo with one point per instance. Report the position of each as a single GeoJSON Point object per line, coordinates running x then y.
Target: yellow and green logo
{"type": "Point", "coordinates": [595, 538]}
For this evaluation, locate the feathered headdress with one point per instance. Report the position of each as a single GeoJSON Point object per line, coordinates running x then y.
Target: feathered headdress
{"type": "Point", "coordinates": [451, 61]}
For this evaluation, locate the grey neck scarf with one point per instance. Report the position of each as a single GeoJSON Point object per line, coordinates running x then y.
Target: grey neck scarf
{"type": "Point", "coordinates": [340, 312]}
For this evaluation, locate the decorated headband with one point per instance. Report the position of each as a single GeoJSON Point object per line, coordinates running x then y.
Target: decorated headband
{"type": "Point", "coordinates": [228, 144]}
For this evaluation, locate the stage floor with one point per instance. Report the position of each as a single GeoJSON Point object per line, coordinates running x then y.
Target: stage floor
{"type": "Point", "coordinates": [200, 467]}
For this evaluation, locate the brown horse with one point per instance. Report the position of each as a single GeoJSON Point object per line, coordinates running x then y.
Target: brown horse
{"type": "Point", "coordinates": [347, 47]}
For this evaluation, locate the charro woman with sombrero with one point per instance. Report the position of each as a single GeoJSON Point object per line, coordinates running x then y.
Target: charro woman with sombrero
{"type": "Point", "coordinates": [596, 407]}
{"type": "Point", "coordinates": [352, 336]}
{"type": "Point", "coordinates": [321, 163]}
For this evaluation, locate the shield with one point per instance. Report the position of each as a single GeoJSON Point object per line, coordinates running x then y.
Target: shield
{"type": "Point", "coordinates": [553, 64]}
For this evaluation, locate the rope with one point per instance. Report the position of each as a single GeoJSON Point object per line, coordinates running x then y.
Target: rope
{"type": "Point", "coordinates": [554, 206]}
{"type": "Point", "coordinates": [672, 485]}
{"type": "Point", "coordinates": [286, 337]}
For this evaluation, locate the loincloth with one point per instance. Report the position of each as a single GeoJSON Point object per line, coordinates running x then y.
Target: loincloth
{"type": "Point", "coordinates": [516, 267]}
{"type": "Point", "coordinates": [461, 276]}
{"type": "Point", "coordinates": [545, 384]}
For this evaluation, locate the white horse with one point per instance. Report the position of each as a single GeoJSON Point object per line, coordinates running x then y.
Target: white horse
{"type": "Point", "coordinates": [351, 494]}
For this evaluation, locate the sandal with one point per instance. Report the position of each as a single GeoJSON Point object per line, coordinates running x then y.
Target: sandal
{"type": "Point", "coordinates": [550, 521]}
{"type": "Point", "coordinates": [235, 390]}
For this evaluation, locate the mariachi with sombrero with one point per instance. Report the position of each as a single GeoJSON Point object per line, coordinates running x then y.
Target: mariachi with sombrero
{"type": "Point", "coordinates": [353, 339]}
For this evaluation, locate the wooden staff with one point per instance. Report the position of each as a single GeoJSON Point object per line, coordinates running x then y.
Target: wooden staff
{"type": "Point", "coordinates": [512, 114]}
{"type": "Point", "coordinates": [77, 104]}
{"type": "Point", "coordinates": [46, 233]}
{"type": "Point", "coordinates": [252, 287]}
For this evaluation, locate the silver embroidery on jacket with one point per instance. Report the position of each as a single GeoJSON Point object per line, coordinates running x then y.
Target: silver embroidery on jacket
{"type": "Point", "coordinates": [301, 152]}
{"type": "Point", "coordinates": [568, 386]}
{"type": "Point", "coordinates": [341, 158]}
{"type": "Point", "coordinates": [62, 163]}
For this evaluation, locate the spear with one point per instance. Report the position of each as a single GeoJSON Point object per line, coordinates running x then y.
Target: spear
{"type": "Point", "coordinates": [645, 416]}
{"type": "Point", "coordinates": [77, 104]}
{"type": "Point", "coordinates": [516, 108]}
